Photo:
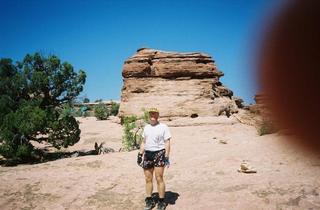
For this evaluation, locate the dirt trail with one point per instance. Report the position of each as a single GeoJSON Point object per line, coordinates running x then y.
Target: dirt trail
{"type": "Point", "coordinates": [203, 174]}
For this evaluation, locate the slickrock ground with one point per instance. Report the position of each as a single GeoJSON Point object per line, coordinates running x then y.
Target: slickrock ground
{"type": "Point", "coordinates": [203, 174]}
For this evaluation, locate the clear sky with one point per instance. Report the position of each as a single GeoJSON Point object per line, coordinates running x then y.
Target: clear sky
{"type": "Point", "coordinates": [98, 36]}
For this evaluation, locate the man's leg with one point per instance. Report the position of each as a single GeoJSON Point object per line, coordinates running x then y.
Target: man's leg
{"type": "Point", "coordinates": [148, 173]}
{"type": "Point", "coordinates": [160, 182]}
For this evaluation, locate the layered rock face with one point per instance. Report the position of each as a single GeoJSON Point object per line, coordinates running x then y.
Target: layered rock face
{"type": "Point", "coordinates": [178, 84]}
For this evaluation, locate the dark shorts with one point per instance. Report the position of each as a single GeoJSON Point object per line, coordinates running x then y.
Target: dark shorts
{"type": "Point", "coordinates": [153, 159]}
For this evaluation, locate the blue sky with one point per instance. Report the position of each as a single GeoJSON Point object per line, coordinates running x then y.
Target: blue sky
{"type": "Point", "coordinates": [98, 36]}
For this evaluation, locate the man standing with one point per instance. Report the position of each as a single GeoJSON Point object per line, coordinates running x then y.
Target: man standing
{"type": "Point", "coordinates": [154, 156]}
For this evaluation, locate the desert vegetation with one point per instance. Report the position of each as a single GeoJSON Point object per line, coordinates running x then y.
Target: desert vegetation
{"type": "Point", "coordinates": [102, 111]}
{"type": "Point", "coordinates": [36, 96]}
{"type": "Point", "coordinates": [132, 129]}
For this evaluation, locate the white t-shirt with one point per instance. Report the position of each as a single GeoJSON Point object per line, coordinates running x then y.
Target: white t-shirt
{"type": "Point", "coordinates": [155, 136]}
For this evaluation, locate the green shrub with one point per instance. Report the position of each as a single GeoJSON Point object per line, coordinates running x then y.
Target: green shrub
{"type": "Point", "coordinates": [145, 116]}
{"type": "Point", "coordinates": [114, 108]}
{"type": "Point", "coordinates": [24, 152]}
{"type": "Point", "coordinates": [77, 113]}
{"type": "Point", "coordinates": [69, 110]}
{"type": "Point", "coordinates": [129, 141]}
{"type": "Point", "coordinates": [133, 128]}
{"type": "Point", "coordinates": [101, 111]}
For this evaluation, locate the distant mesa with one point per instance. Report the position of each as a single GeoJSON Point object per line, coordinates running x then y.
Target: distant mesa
{"type": "Point", "coordinates": [178, 84]}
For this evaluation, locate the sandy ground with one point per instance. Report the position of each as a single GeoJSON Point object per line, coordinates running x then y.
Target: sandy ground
{"type": "Point", "coordinates": [203, 173]}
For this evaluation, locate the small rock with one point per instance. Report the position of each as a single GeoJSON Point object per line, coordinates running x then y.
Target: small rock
{"type": "Point", "coordinates": [115, 119]}
{"type": "Point", "coordinates": [106, 150]}
{"type": "Point", "coordinates": [76, 154]}
{"type": "Point", "coordinates": [223, 142]}
{"type": "Point", "coordinates": [246, 168]}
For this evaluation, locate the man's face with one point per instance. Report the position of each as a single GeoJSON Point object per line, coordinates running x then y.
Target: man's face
{"type": "Point", "coordinates": [153, 116]}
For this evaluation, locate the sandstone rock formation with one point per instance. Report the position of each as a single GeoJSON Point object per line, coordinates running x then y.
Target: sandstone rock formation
{"type": "Point", "coordinates": [178, 84]}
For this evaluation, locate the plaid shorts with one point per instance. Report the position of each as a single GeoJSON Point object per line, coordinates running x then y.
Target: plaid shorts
{"type": "Point", "coordinates": [153, 159]}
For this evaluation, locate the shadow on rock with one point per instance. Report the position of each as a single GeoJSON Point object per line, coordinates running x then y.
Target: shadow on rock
{"type": "Point", "coordinates": [169, 197]}
{"type": "Point", "coordinates": [43, 155]}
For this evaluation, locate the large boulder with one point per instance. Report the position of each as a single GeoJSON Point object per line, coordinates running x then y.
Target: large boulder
{"type": "Point", "coordinates": [178, 84]}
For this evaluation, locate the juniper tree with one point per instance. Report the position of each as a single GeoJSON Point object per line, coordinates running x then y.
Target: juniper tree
{"type": "Point", "coordinates": [32, 94]}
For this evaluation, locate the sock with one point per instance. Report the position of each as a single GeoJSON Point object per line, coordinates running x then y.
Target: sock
{"type": "Point", "coordinates": [161, 199]}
